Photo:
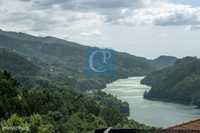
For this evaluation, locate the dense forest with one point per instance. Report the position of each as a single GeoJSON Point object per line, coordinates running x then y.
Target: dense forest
{"type": "Point", "coordinates": [179, 83]}
{"type": "Point", "coordinates": [50, 110]}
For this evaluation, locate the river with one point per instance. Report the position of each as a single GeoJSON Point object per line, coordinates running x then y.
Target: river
{"type": "Point", "coordinates": [153, 113]}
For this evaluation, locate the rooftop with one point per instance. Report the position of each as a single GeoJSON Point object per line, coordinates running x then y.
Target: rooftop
{"type": "Point", "coordinates": [188, 127]}
{"type": "Point", "coordinates": [191, 125]}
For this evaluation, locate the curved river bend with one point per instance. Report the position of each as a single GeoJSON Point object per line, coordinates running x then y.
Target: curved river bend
{"type": "Point", "coordinates": [153, 113]}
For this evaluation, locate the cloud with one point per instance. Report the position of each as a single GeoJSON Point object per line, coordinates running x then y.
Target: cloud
{"type": "Point", "coordinates": [25, 0]}
{"type": "Point", "coordinates": [87, 4]}
{"type": "Point", "coordinates": [178, 15]}
{"type": "Point", "coordinates": [110, 4]}
{"type": "Point", "coordinates": [24, 16]}
{"type": "Point", "coordinates": [87, 15]}
{"type": "Point", "coordinates": [160, 14]}
{"type": "Point", "coordinates": [92, 33]}
{"type": "Point", "coordinates": [193, 27]}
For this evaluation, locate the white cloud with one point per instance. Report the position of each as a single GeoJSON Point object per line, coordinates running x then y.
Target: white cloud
{"type": "Point", "coordinates": [161, 14]}
{"type": "Point", "coordinates": [193, 27]}
{"type": "Point", "coordinates": [35, 16]}
{"type": "Point", "coordinates": [87, 4]}
{"type": "Point", "coordinates": [91, 33]}
{"type": "Point", "coordinates": [23, 16]}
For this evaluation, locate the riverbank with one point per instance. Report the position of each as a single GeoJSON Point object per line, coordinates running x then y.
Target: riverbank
{"type": "Point", "coordinates": [153, 113]}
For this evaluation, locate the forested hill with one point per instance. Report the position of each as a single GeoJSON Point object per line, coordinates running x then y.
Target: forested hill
{"type": "Point", "coordinates": [67, 55]}
{"type": "Point", "coordinates": [179, 83]}
{"type": "Point", "coordinates": [163, 62]}
{"type": "Point", "coordinates": [17, 64]}
{"type": "Point", "coordinates": [61, 59]}
{"type": "Point", "coordinates": [50, 110]}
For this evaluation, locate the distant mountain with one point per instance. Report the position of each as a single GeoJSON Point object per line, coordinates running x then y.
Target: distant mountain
{"type": "Point", "coordinates": [60, 57]}
{"type": "Point", "coordinates": [163, 62]}
{"type": "Point", "coordinates": [178, 83]}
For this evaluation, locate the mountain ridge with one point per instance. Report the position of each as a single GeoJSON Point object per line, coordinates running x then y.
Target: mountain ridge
{"type": "Point", "coordinates": [60, 57]}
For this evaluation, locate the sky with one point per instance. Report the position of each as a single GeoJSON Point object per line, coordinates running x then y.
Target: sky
{"type": "Point", "coordinates": [147, 28]}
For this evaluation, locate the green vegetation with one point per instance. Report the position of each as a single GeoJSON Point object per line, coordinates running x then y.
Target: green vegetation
{"type": "Point", "coordinates": [58, 58]}
{"type": "Point", "coordinates": [179, 83]}
{"type": "Point", "coordinates": [49, 93]}
{"type": "Point", "coordinates": [111, 101]}
{"type": "Point", "coordinates": [21, 65]}
{"type": "Point", "coordinates": [163, 62]}
{"type": "Point", "coordinates": [41, 110]}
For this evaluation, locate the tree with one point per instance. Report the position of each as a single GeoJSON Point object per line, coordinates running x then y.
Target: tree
{"type": "Point", "coordinates": [32, 124]}
{"type": "Point", "coordinates": [15, 124]}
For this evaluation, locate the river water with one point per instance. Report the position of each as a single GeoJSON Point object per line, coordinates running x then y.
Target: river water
{"type": "Point", "coordinates": [153, 113]}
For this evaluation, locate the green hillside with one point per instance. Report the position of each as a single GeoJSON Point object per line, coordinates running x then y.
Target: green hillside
{"type": "Point", "coordinates": [179, 83]}
{"type": "Point", "coordinates": [60, 58]}
{"type": "Point", "coordinates": [45, 110]}
{"type": "Point", "coordinates": [17, 64]}
{"type": "Point", "coordinates": [68, 55]}
{"type": "Point", "coordinates": [163, 62]}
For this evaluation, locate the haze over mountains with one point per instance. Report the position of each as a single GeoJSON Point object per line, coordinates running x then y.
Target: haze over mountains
{"type": "Point", "coordinates": [60, 57]}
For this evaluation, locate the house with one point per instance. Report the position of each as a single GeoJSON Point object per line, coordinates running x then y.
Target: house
{"type": "Point", "coordinates": [188, 127]}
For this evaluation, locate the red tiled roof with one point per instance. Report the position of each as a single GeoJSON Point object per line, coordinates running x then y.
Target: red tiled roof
{"type": "Point", "coordinates": [188, 127]}
{"type": "Point", "coordinates": [191, 125]}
